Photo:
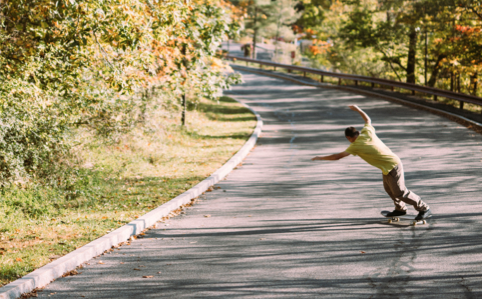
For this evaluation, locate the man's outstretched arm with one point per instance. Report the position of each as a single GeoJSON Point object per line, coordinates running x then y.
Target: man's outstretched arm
{"type": "Point", "coordinates": [363, 114]}
{"type": "Point", "coordinates": [331, 157]}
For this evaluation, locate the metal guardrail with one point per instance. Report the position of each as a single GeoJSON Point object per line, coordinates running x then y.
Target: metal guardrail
{"type": "Point", "coordinates": [436, 92]}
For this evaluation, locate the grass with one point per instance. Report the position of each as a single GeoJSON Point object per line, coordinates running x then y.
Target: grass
{"type": "Point", "coordinates": [118, 184]}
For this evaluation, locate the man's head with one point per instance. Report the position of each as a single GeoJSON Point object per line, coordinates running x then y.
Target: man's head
{"type": "Point", "coordinates": [351, 134]}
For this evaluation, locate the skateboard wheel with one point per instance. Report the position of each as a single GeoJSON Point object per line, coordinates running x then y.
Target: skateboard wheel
{"type": "Point", "coordinates": [389, 220]}
{"type": "Point", "coordinates": [414, 223]}
{"type": "Point", "coordinates": [397, 219]}
{"type": "Point", "coordinates": [424, 222]}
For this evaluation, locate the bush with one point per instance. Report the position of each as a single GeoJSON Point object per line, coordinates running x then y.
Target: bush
{"type": "Point", "coordinates": [65, 64]}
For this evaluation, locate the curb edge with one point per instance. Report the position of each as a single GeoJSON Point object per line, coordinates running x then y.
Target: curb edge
{"type": "Point", "coordinates": [46, 274]}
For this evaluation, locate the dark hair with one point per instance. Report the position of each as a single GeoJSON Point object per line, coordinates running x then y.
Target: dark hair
{"type": "Point", "coordinates": [351, 132]}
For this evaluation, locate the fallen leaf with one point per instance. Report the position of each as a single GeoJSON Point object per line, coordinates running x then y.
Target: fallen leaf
{"type": "Point", "coordinates": [100, 262]}
{"type": "Point", "coordinates": [122, 263]}
{"type": "Point", "coordinates": [137, 269]}
{"type": "Point", "coordinates": [159, 272]}
{"type": "Point", "coordinates": [362, 251]}
{"type": "Point", "coordinates": [71, 273]}
{"type": "Point", "coordinates": [207, 216]}
{"type": "Point", "coordinates": [18, 259]}
{"type": "Point", "coordinates": [147, 276]}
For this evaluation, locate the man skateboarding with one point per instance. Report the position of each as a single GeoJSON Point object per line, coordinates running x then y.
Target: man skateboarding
{"type": "Point", "coordinates": [370, 148]}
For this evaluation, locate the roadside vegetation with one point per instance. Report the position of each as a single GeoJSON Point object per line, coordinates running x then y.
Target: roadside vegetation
{"type": "Point", "coordinates": [118, 183]}
{"type": "Point", "coordinates": [107, 110]}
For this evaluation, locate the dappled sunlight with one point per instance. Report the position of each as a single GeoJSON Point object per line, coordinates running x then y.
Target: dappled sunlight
{"type": "Point", "coordinates": [283, 226]}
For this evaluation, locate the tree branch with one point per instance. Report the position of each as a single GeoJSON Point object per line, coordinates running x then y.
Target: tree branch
{"type": "Point", "coordinates": [475, 12]}
{"type": "Point", "coordinates": [390, 62]}
{"type": "Point", "coordinates": [104, 53]}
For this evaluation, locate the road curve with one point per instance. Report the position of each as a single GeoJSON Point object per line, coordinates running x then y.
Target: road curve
{"type": "Point", "coordinates": [283, 226]}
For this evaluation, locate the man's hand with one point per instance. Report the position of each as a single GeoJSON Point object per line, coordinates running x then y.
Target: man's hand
{"type": "Point", "coordinates": [365, 117]}
{"type": "Point", "coordinates": [354, 108]}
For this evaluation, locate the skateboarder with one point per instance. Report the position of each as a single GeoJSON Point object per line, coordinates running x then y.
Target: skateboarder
{"type": "Point", "coordinates": [370, 148]}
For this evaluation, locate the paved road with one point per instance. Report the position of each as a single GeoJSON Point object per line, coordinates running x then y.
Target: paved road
{"type": "Point", "coordinates": [282, 226]}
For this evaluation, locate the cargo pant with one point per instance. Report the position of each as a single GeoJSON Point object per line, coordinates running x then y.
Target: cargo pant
{"type": "Point", "coordinates": [394, 184]}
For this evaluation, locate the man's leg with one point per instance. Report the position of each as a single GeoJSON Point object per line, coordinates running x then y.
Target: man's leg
{"type": "Point", "coordinates": [399, 205]}
{"type": "Point", "coordinates": [396, 182]}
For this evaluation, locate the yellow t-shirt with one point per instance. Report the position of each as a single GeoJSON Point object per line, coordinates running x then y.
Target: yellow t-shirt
{"type": "Point", "coordinates": [371, 149]}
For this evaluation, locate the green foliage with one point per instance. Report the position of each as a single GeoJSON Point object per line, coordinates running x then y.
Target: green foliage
{"type": "Point", "coordinates": [66, 63]}
{"type": "Point", "coordinates": [392, 37]}
{"type": "Point", "coordinates": [270, 21]}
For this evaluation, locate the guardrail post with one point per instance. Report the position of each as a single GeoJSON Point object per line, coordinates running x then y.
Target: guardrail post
{"type": "Point", "coordinates": [413, 92]}
{"type": "Point", "coordinates": [275, 68]}
{"type": "Point", "coordinates": [435, 97]}
{"type": "Point", "coordinates": [373, 85]}
{"type": "Point", "coordinates": [304, 74]}
{"type": "Point", "coordinates": [461, 105]}
{"type": "Point", "coordinates": [356, 82]}
{"type": "Point", "coordinates": [392, 88]}
{"type": "Point", "coordinates": [321, 78]}
{"type": "Point", "coordinates": [339, 81]}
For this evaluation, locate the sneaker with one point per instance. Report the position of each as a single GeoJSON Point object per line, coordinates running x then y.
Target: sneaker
{"type": "Point", "coordinates": [423, 214]}
{"type": "Point", "coordinates": [396, 213]}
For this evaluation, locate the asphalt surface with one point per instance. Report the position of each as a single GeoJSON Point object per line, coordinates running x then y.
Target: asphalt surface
{"type": "Point", "coordinates": [283, 226]}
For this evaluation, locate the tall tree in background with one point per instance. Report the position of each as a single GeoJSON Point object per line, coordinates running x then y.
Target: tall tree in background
{"type": "Point", "coordinates": [391, 28]}
{"type": "Point", "coordinates": [270, 19]}
{"type": "Point", "coordinates": [424, 41]}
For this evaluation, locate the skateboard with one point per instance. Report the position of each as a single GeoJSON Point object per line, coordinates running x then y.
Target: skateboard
{"type": "Point", "coordinates": [404, 217]}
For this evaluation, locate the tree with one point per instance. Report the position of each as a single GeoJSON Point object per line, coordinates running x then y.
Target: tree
{"type": "Point", "coordinates": [68, 63]}
{"type": "Point", "coordinates": [269, 19]}
{"type": "Point", "coordinates": [366, 33]}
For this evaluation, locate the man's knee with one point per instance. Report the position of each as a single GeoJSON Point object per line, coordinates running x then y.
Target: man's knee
{"type": "Point", "coordinates": [401, 194]}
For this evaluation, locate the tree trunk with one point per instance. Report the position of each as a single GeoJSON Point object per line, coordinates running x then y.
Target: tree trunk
{"type": "Point", "coordinates": [452, 81]}
{"type": "Point", "coordinates": [474, 78]}
{"type": "Point", "coordinates": [436, 70]}
{"type": "Point", "coordinates": [183, 101]}
{"type": "Point", "coordinates": [255, 35]}
{"type": "Point", "coordinates": [412, 52]}
{"type": "Point", "coordinates": [184, 105]}
{"type": "Point", "coordinates": [458, 83]}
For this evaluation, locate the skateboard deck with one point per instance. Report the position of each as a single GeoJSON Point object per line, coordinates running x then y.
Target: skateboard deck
{"type": "Point", "coordinates": [404, 217]}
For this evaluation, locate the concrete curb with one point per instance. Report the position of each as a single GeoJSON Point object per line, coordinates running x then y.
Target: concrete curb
{"type": "Point", "coordinates": [454, 117]}
{"type": "Point", "coordinates": [69, 262]}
